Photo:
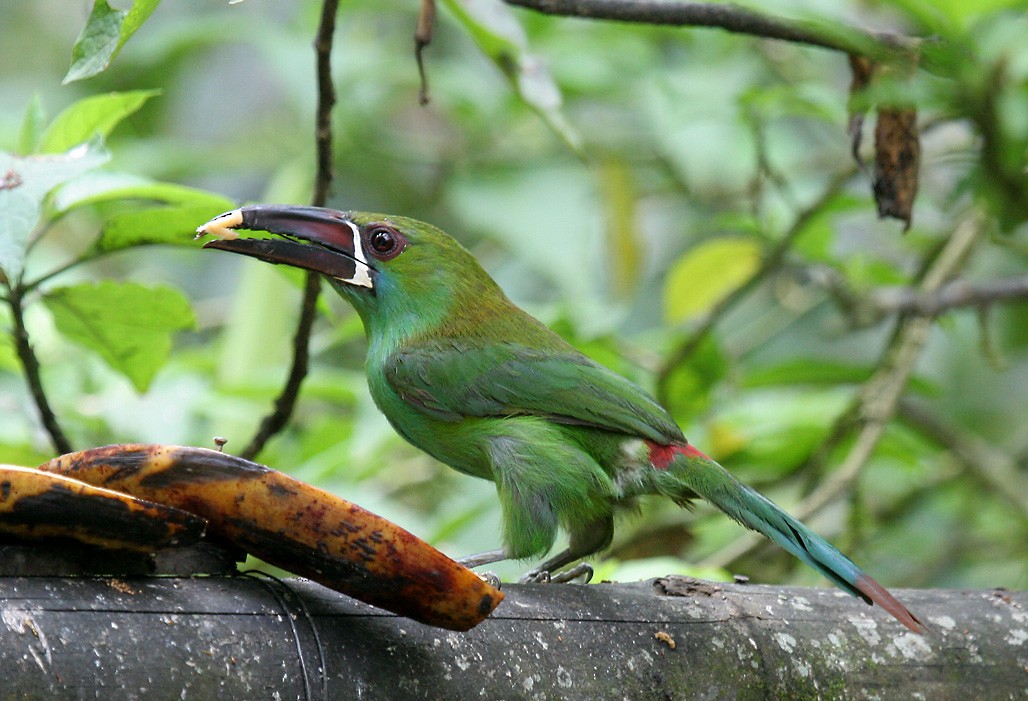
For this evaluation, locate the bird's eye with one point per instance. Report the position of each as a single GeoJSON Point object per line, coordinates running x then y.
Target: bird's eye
{"type": "Point", "coordinates": [384, 241]}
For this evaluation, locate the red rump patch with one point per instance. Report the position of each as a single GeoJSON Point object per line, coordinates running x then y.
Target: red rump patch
{"type": "Point", "coordinates": [661, 456]}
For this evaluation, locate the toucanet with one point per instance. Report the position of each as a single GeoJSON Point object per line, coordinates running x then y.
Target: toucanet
{"type": "Point", "coordinates": [468, 377]}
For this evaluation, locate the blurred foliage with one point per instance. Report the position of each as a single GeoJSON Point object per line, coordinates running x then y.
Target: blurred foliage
{"type": "Point", "coordinates": [617, 180]}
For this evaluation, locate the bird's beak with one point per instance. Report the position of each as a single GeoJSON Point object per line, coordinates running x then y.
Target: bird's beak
{"type": "Point", "coordinates": [313, 238]}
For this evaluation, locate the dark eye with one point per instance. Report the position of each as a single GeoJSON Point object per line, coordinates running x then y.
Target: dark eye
{"type": "Point", "coordinates": [384, 241]}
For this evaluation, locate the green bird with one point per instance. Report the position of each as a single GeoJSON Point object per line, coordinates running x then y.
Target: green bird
{"type": "Point", "coordinates": [477, 383]}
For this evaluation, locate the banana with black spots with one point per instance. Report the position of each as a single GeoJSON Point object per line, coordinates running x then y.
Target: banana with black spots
{"type": "Point", "coordinates": [38, 505]}
{"type": "Point", "coordinates": [295, 526]}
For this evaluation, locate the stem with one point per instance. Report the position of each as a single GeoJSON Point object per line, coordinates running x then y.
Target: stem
{"type": "Point", "coordinates": [30, 364]}
{"type": "Point", "coordinates": [732, 18]}
{"type": "Point", "coordinates": [286, 400]}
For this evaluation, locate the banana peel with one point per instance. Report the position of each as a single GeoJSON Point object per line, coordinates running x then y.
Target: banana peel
{"type": "Point", "coordinates": [36, 505]}
{"type": "Point", "coordinates": [295, 526]}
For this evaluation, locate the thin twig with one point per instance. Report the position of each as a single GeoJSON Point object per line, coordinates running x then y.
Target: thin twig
{"type": "Point", "coordinates": [286, 400]}
{"type": "Point", "coordinates": [876, 401]}
{"type": "Point", "coordinates": [958, 293]}
{"type": "Point", "coordinates": [772, 260]}
{"type": "Point", "coordinates": [30, 364]}
{"type": "Point", "coordinates": [867, 308]}
{"type": "Point", "coordinates": [732, 18]}
{"type": "Point", "coordinates": [326, 101]}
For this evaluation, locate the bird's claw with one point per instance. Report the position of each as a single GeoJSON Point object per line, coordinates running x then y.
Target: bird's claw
{"type": "Point", "coordinates": [582, 571]}
{"type": "Point", "coordinates": [535, 577]}
{"type": "Point", "coordinates": [490, 578]}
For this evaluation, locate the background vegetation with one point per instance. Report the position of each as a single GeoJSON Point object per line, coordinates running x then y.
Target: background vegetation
{"type": "Point", "coordinates": [680, 203]}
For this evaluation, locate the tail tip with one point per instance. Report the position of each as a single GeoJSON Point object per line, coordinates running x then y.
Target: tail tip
{"type": "Point", "coordinates": [877, 594]}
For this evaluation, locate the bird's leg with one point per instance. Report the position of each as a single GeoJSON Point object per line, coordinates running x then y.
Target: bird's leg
{"type": "Point", "coordinates": [585, 541]}
{"type": "Point", "coordinates": [583, 571]}
{"type": "Point", "coordinates": [542, 573]}
{"type": "Point", "coordinates": [486, 558]}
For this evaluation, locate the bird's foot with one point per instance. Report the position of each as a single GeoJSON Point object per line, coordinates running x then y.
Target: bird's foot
{"type": "Point", "coordinates": [581, 571]}
{"type": "Point", "coordinates": [490, 578]}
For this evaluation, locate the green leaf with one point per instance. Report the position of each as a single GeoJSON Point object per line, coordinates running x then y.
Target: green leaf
{"type": "Point", "coordinates": [944, 16]}
{"type": "Point", "coordinates": [167, 225]}
{"type": "Point", "coordinates": [127, 324]}
{"type": "Point", "coordinates": [705, 274]}
{"type": "Point", "coordinates": [496, 30]}
{"type": "Point", "coordinates": [32, 125]}
{"type": "Point", "coordinates": [24, 183]}
{"type": "Point", "coordinates": [106, 31]}
{"type": "Point", "coordinates": [690, 385]}
{"type": "Point", "coordinates": [98, 114]}
{"type": "Point", "coordinates": [109, 187]}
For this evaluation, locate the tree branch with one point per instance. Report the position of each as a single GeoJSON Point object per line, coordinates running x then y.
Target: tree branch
{"type": "Point", "coordinates": [868, 308]}
{"type": "Point", "coordinates": [733, 18]}
{"type": "Point", "coordinates": [326, 101]}
{"type": "Point", "coordinates": [959, 293]}
{"type": "Point", "coordinates": [286, 400]}
{"type": "Point", "coordinates": [670, 638]}
{"type": "Point", "coordinates": [876, 401]}
{"type": "Point", "coordinates": [30, 364]}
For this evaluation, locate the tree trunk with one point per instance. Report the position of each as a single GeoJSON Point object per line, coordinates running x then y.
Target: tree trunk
{"type": "Point", "coordinates": [231, 637]}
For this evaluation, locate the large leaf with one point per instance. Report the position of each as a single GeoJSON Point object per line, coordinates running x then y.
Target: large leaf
{"type": "Point", "coordinates": [493, 26]}
{"type": "Point", "coordinates": [109, 187]}
{"type": "Point", "coordinates": [128, 324]}
{"type": "Point", "coordinates": [705, 274]}
{"type": "Point", "coordinates": [106, 31]}
{"type": "Point", "coordinates": [168, 225]}
{"type": "Point", "coordinates": [98, 114]}
{"type": "Point", "coordinates": [691, 384]}
{"type": "Point", "coordinates": [24, 182]}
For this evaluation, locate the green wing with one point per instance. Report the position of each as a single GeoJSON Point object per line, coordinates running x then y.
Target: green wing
{"type": "Point", "coordinates": [449, 382]}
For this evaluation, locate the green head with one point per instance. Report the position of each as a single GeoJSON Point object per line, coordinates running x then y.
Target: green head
{"type": "Point", "coordinates": [400, 274]}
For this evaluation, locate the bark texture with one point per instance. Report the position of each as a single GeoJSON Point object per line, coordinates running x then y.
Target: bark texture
{"type": "Point", "coordinates": [232, 637]}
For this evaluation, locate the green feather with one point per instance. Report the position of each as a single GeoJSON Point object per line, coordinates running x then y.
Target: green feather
{"type": "Point", "coordinates": [448, 380]}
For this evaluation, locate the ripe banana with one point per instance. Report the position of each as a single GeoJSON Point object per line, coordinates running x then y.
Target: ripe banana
{"type": "Point", "coordinates": [295, 526]}
{"type": "Point", "coordinates": [36, 505]}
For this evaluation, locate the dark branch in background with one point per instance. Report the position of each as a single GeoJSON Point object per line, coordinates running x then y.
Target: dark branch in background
{"type": "Point", "coordinates": [326, 101]}
{"type": "Point", "coordinates": [30, 364]}
{"type": "Point", "coordinates": [769, 264]}
{"type": "Point", "coordinates": [286, 401]}
{"type": "Point", "coordinates": [959, 293]}
{"type": "Point", "coordinates": [871, 307]}
{"type": "Point", "coordinates": [732, 18]}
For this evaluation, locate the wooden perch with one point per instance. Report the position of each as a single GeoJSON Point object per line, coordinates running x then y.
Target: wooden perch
{"type": "Point", "coordinates": [231, 637]}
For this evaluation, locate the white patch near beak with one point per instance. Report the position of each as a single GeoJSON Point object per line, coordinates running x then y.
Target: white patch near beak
{"type": "Point", "coordinates": [361, 275]}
